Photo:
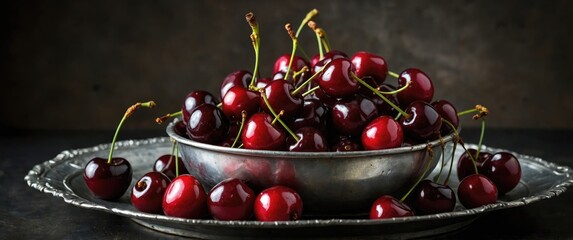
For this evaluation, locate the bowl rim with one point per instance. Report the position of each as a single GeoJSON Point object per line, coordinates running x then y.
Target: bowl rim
{"type": "Point", "coordinates": [288, 154]}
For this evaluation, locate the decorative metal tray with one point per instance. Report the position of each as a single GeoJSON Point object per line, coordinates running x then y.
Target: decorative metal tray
{"type": "Point", "coordinates": [62, 177]}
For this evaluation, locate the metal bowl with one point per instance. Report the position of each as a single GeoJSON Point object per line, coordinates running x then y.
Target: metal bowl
{"type": "Point", "coordinates": [329, 183]}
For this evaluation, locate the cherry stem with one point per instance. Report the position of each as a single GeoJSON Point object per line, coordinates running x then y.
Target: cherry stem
{"type": "Point", "coordinates": [219, 105]}
{"type": "Point", "coordinates": [393, 74]}
{"type": "Point", "coordinates": [458, 139]}
{"type": "Point", "coordinates": [310, 91]}
{"type": "Point", "coordinates": [312, 25]}
{"type": "Point", "coordinates": [309, 16]}
{"type": "Point", "coordinates": [481, 137]}
{"type": "Point", "coordinates": [243, 118]}
{"type": "Point", "coordinates": [281, 113]}
{"type": "Point", "coordinates": [127, 113]}
{"type": "Point", "coordinates": [162, 119]}
{"type": "Point", "coordinates": [256, 40]}
{"type": "Point", "coordinates": [176, 161]}
{"type": "Point", "coordinates": [431, 154]}
{"type": "Point", "coordinates": [481, 110]}
{"type": "Point", "coordinates": [451, 162]}
{"type": "Point", "coordinates": [437, 178]}
{"type": "Point", "coordinates": [324, 39]}
{"type": "Point", "coordinates": [375, 91]}
{"type": "Point", "coordinates": [288, 27]}
{"type": "Point", "coordinates": [307, 81]}
{"type": "Point", "coordinates": [277, 117]}
{"type": "Point", "coordinates": [174, 154]}
{"type": "Point", "coordinates": [397, 90]}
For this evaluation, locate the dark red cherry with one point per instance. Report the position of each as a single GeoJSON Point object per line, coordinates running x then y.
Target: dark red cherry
{"type": "Point", "coordinates": [180, 128]}
{"type": "Point", "coordinates": [430, 198]}
{"type": "Point", "coordinates": [382, 133]}
{"type": "Point", "coordinates": [231, 136]}
{"type": "Point", "coordinates": [345, 144]}
{"type": "Point", "coordinates": [147, 193]}
{"type": "Point", "coordinates": [231, 199]}
{"type": "Point", "coordinates": [260, 133]}
{"type": "Point", "coordinates": [278, 203]}
{"type": "Point", "coordinates": [424, 122]}
{"type": "Point", "coordinates": [195, 99]}
{"type": "Point", "coordinates": [421, 87]}
{"type": "Point", "coordinates": [313, 114]}
{"type": "Point", "coordinates": [448, 112]}
{"type": "Point", "coordinates": [237, 78]}
{"type": "Point", "coordinates": [368, 64]}
{"type": "Point", "coordinates": [278, 92]}
{"type": "Point", "coordinates": [319, 94]}
{"type": "Point", "coordinates": [504, 170]}
{"type": "Point", "coordinates": [166, 164]}
{"type": "Point", "coordinates": [336, 79]}
{"type": "Point", "coordinates": [383, 107]}
{"type": "Point", "coordinates": [239, 99]}
{"type": "Point", "coordinates": [281, 64]}
{"type": "Point", "coordinates": [477, 190]}
{"type": "Point", "coordinates": [317, 63]}
{"type": "Point", "coordinates": [465, 166]}
{"type": "Point", "coordinates": [207, 124]}
{"type": "Point", "coordinates": [185, 198]}
{"type": "Point", "coordinates": [310, 140]}
{"type": "Point", "coordinates": [108, 181]}
{"type": "Point", "coordinates": [351, 115]}
{"type": "Point", "coordinates": [263, 82]}
{"type": "Point", "coordinates": [389, 207]}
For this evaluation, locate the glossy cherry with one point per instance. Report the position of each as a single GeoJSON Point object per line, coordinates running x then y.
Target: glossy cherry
{"type": "Point", "coordinates": [336, 79]}
{"type": "Point", "coordinates": [260, 133]}
{"type": "Point", "coordinates": [185, 198]}
{"type": "Point", "coordinates": [421, 87]}
{"type": "Point", "coordinates": [504, 170]}
{"type": "Point", "coordinates": [383, 107]}
{"type": "Point", "coordinates": [166, 165]}
{"type": "Point", "coordinates": [465, 166]}
{"type": "Point", "coordinates": [279, 94]}
{"type": "Point", "coordinates": [195, 99]}
{"type": "Point", "coordinates": [430, 198]}
{"type": "Point", "coordinates": [389, 207]}
{"type": "Point", "coordinates": [207, 124]}
{"type": "Point", "coordinates": [382, 133]}
{"type": "Point", "coordinates": [238, 78]}
{"type": "Point", "coordinates": [368, 64]}
{"type": "Point", "coordinates": [424, 122]}
{"type": "Point", "coordinates": [477, 190]}
{"type": "Point", "coordinates": [313, 114]}
{"type": "Point", "coordinates": [231, 136]}
{"type": "Point", "coordinates": [278, 203]}
{"type": "Point", "coordinates": [317, 63]}
{"type": "Point", "coordinates": [345, 144]}
{"type": "Point", "coordinates": [231, 199]}
{"type": "Point", "coordinates": [282, 62]}
{"type": "Point", "coordinates": [448, 112]}
{"type": "Point", "coordinates": [239, 99]}
{"type": "Point", "coordinates": [108, 181]}
{"type": "Point", "coordinates": [310, 140]}
{"type": "Point", "coordinates": [147, 193]}
{"type": "Point", "coordinates": [351, 115]}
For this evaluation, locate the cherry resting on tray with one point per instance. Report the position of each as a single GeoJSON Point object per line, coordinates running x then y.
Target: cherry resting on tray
{"type": "Point", "coordinates": [166, 165]}
{"type": "Point", "coordinates": [109, 178]}
{"type": "Point", "coordinates": [231, 199]}
{"type": "Point", "coordinates": [389, 207]}
{"type": "Point", "coordinates": [185, 198]}
{"type": "Point", "coordinates": [147, 193]}
{"type": "Point", "coordinates": [278, 203]}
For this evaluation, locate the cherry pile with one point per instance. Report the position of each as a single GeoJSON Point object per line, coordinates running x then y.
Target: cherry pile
{"type": "Point", "coordinates": [331, 101]}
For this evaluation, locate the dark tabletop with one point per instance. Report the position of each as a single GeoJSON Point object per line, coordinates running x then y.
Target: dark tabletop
{"type": "Point", "coordinates": [26, 213]}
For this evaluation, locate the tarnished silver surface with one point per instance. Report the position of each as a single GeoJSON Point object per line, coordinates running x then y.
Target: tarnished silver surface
{"type": "Point", "coordinates": [331, 184]}
{"type": "Point", "coordinates": [61, 177]}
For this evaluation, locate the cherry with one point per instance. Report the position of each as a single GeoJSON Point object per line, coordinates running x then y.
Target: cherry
{"type": "Point", "coordinates": [108, 180]}
{"type": "Point", "coordinates": [389, 207]}
{"type": "Point", "coordinates": [239, 99]}
{"type": "Point", "coordinates": [368, 64]}
{"type": "Point", "coordinates": [423, 123]}
{"type": "Point", "coordinates": [465, 166]}
{"type": "Point", "coordinates": [195, 99]}
{"type": "Point", "coordinates": [447, 111]}
{"type": "Point", "coordinates": [346, 144]}
{"type": "Point", "coordinates": [281, 64]}
{"type": "Point", "coordinates": [166, 164]}
{"type": "Point", "coordinates": [231, 136]}
{"type": "Point", "coordinates": [238, 78]}
{"type": "Point", "coordinates": [278, 203]}
{"type": "Point", "coordinates": [263, 82]}
{"type": "Point", "coordinates": [310, 140]}
{"type": "Point", "coordinates": [431, 198]}
{"type": "Point", "coordinates": [383, 107]}
{"type": "Point", "coordinates": [503, 169]}
{"type": "Point", "coordinates": [317, 63]}
{"type": "Point", "coordinates": [207, 124]}
{"type": "Point", "coordinates": [147, 193]}
{"type": "Point", "coordinates": [231, 199]}
{"type": "Point", "coordinates": [185, 198]}
{"type": "Point", "coordinates": [477, 190]}
{"type": "Point", "coordinates": [420, 88]}
{"type": "Point", "coordinates": [260, 133]}
{"type": "Point", "coordinates": [351, 115]}
{"type": "Point", "coordinates": [313, 114]}
{"type": "Point", "coordinates": [382, 133]}
{"type": "Point", "coordinates": [280, 97]}
{"type": "Point", "coordinates": [336, 79]}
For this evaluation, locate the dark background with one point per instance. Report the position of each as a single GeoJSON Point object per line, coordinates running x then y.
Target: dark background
{"type": "Point", "coordinates": [79, 64]}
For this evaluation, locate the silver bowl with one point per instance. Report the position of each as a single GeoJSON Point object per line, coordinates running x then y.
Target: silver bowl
{"type": "Point", "coordinates": [329, 183]}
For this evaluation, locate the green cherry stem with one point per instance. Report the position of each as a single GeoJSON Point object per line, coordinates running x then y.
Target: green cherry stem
{"type": "Point", "coordinates": [458, 139]}
{"type": "Point", "coordinates": [375, 91]}
{"type": "Point", "coordinates": [393, 74]}
{"type": "Point", "coordinates": [442, 146]}
{"type": "Point", "coordinates": [243, 118]}
{"type": "Point", "coordinates": [312, 25]}
{"type": "Point", "coordinates": [431, 155]}
{"type": "Point", "coordinates": [176, 161]}
{"type": "Point", "coordinates": [397, 90]}
{"type": "Point", "coordinates": [310, 91]}
{"type": "Point", "coordinates": [309, 16]}
{"type": "Point", "coordinates": [324, 39]}
{"type": "Point", "coordinates": [256, 40]}
{"type": "Point", "coordinates": [307, 81]}
{"type": "Point", "coordinates": [288, 28]}
{"type": "Point", "coordinates": [277, 117]}
{"type": "Point", "coordinates": [128, 112]}
{"type": "Point", "coordinates": [162, 119]}
{"type": "Point", "coordinates": [481, 137]}
{"type": "Point", "coordinates": [451, 162]}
